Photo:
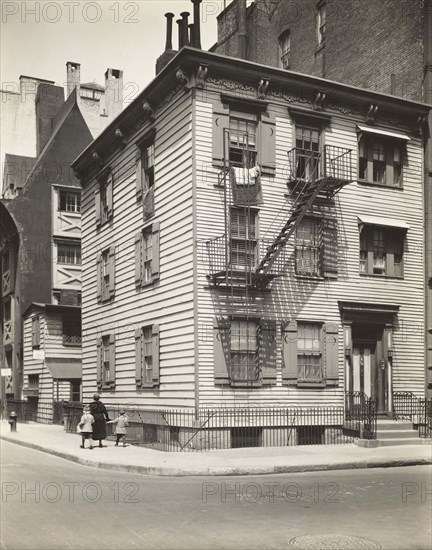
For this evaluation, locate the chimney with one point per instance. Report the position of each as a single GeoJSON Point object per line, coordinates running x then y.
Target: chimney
{"type": "Point", "coordinates": [185, 28]}
{"type": "Point", "coordinates": [180, 33]}
{"type": "Point", "coordinates": [197, 31]}
{"type": "Point", "coordinates": [169, 53]}
{"type": "Point", "coordinates": [49, 100]}
{"type": "Point", "coordinates": [192, 34]}
{"type": "Point", "coordinates": [73, 71]}
{"type": "Point", "coordinates": [113, 92]}
{"type": "Point", "coordinates": [242, 44]}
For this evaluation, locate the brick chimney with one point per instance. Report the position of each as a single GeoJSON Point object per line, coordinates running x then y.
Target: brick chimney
{"type": "Point", "coordinates": [169, 53]}
{"type": "Point", "coordinates": [113, 92]}
{"type": "Point", "coordinates": [73, 76]}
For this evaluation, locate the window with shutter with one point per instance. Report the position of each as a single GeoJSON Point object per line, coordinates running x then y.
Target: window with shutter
{"type": "Point", "coordinates": [106, 274]}
{"type": "Point", "coordinates": [147, 356]}
{"type": "Point", "coordinates": [381, 251]}
{"type": "Point", "coordinates": [307, 248]}
{"type": "Point", "coordinates": [104, 198]}
{"type": "Point", "coordinates": [309, 354]}
{"type": "Point", "coordinates": [244, 352]}
{"type": "Point", "coordinates": [106, 361]}
{"type": "Point", "coordinates": [381, 160]}
{"type": "Point", "coordinates": [147, 255]}
{"type": "Point", "coordinates": [284, 43]}
{"type": "Point", "coordinates": [243, 242]}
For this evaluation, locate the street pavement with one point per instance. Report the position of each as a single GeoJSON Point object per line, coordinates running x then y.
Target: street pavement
{"type": "Point", "coordinates": [49, 503]}
{"type": "Point", "coordinates": [263, 460]}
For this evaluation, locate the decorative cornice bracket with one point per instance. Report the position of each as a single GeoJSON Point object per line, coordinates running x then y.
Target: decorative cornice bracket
{"type": "Point", "coordinates": [319, 101]}
{"type": "Point", "coordinates": [148, 110]}
{"type": "Point", "coordinates": [120, 136]}
{"type": "Point", "coordinates": [262, 88]}
{"type": "Point", "coordinates": [371, 113]}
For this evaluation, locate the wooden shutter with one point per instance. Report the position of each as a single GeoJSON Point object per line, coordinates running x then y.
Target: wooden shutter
{"type": "Point", "coordinates": [267, 351]}
{"type": "Point", "coordinates": [138, 356]}
{"type": "Point", "coordinates": [111, 257]}
{"type": "Point", "coordinates": [331, 353]}
{"type": "Point", "coordinates": [111, 360]}
{"type": "Point", "coordinates": [99, 347]}
{"type": "Point", "coordinates": [36, 331]}
{"type": "Point", "coordinates": [99, 275]}
{"type": "Point", "coordinates": [155, 355]}
{"type": "Point", "coordinates": [220, 123]}
{"type": "Point", "coordinates": [267, 143]}
{"type": "Point", "coordinates": [329, 249]}
{"type": "Point", "coordinates": [289, 353]}
{"type": "Point", "coordinates": [138, 258]}
{"type": "Point", "coordinates": [97, 205]}
{"type": "Point", "coordinates": [221, 351]}
{"type": "Point", "coordinates": [110, 194]}
{"type": "Point", "coordinates": [139, 173]}
{"type": "Point", "coordinates": [155, 266]}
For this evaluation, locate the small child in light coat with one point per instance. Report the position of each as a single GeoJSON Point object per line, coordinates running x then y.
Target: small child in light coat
{"type": "Point", "coordinates": [86, 427]}
{"type": "Point", "coordinates": [122, 422]}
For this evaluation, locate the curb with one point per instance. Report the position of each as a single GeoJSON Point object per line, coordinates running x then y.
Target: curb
{"type": "Point", "coordinates": [233, 471]}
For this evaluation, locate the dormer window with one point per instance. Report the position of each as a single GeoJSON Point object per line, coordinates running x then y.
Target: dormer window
{"type": "Point", "coordinates": [321, 23]}
{"type": "Point", "coordinates": [284, 49]}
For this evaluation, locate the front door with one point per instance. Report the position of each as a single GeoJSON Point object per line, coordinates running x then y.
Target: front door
{"type": "Point", "coordinates": [363, 366]}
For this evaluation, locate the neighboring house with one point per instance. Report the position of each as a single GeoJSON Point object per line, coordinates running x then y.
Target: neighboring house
{"type": "Point", "coordinates": [40, 243]}
{"type": "Point", "coordinates": [341, 40]}
{"type": "Point", "coordinates": [249, 241]}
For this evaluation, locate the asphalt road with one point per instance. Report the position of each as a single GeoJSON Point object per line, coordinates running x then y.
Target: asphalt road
{"type": "Point", "coordinates": [50, 503]}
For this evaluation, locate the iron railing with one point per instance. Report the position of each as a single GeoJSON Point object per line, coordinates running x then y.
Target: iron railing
{"type": "Point", "coordinates": [360, 415]}
{"type": "Point", "coordinates": [407, 406]}
{"type": "Point", "coordinates": [36, 410]}
{"type": "Point", "coordinates": [332, 162]}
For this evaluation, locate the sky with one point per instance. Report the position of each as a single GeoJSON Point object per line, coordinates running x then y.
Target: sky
{"type": "Point", "coordinates": [38, 38]}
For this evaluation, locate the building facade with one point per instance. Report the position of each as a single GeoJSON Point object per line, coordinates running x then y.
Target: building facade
{"type": "Point", "coordinates": [247, 241]}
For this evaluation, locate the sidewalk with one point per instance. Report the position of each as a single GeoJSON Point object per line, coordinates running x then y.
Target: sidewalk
{"type": "Point", "coordinates": [262, 460]}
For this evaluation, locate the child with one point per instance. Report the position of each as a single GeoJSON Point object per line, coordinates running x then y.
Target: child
{"type": "Point", "coordinates": [122, 422]}
{"type": "Point", "coordinates": [86, 427]}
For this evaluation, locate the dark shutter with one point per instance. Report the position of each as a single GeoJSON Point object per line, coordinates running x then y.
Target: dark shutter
{"type": "Point", "coordinates": [138, 258]}
{"type": "Point", "coordinates": [331, 351]}
{"type": "Point", "coordinates": [110, 195]}
{"type": "Point", "coordinates": [148, 203]}
{"type": "Point", "coordinates": [36, 331]}
{"type": "Point", "coordinates": [97, 205]}
{"type": "Point", "coordinates": [329, 249]}
{"type": "Point", "coordinates": [289, 353]}
{"type": "Point", "coordinates": [99, 277]}
{"type": "Point", "coordinates": [111, 360]}
{"type": "Point", "coordinates": [220, 123]}
{"type": "Point", "coordinates": [221, 350]}
{"type": "Point", "coordinates": [99, 362]}
{"type": "Point", "coordinates": [139, 173]}
{"type": "Point", "coordinates": [155, 251]}
{"type": "Point", "coordinates": [267, 144]}
{"type": "Point", "coordinates": [155, 355]}
{"type": "Point", "coordinates": [111, 257]}
{"type": "Point", "coordinates": [138, 356]}
{"type": "Point", "coordinates": [267, 351]}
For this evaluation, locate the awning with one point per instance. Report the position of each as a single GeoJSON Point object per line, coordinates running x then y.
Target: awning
{"type": "Point", "coordinates": [371, 130]}
{"type": "Point", "coordinates": [64, 368]}
{"type": "Point", "coordinates": [388, 222]}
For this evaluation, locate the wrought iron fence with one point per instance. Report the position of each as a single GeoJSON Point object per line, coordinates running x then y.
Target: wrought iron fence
{"type": "Point", "coordinates": [360, 415]}
{"type": "Point", "coordinates": [406, 405]}
{"type": "Point", "coordinates": [36, 410]}
{"type": "Point", "coordinates": [332, 162]}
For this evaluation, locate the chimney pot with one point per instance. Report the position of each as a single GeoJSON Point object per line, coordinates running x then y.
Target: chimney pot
{"type": "Point", "coordinates": [180, 33]}
{"type": "Point", "coordinates": [197, 30]}
{"type": "Point", "coordinates": [192, 34]}
{"type": "Point", "coordinates": [185, 28]}
{"type": "Point", "coordinates": [73, 76]}
{"type": "Point", "coordinates": [168, 45]}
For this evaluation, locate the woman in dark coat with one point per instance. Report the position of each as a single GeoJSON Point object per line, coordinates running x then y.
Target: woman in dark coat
{"type": "Point", "coordinates": [100, 415]}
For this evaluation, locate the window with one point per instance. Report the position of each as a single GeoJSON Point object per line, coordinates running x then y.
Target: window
{"type": "Point", "coordinates": [71, 331]}
{"type": "Point", "coordinates": [7, 311]}
{"type": "Point", "coordinates": [244, 351]}
{"type": "Point", "coordinates": [243, 243]}
{"type": "Point", "coordinates": [307, 152]}
{"type": "Point", "coordinates": [106, 362]}
{"type": "Point", "coordinates": [36, 331]}
{"type": "Point", "coordinates": [242, 140]}
{"type": "Point", "coordinates": [380, 160]}
{"type": "Point", "coordinates": [104, 199]}
{"type": "Point", "coordinates": [147, 255]}
{"type": "Point", "coordinates": [381, 251]}
{"type": "Point", "coordinates": [145, 173]}
{"type": "Point", "coordinates": [309, 356]}
{"type": "Point", "coordinates": [284, 49]}
{"type": "Point", "coordinates": [147, 356]}
{"type": "Point", "coordinates": [106, 274]}
{"type": "Point", "coordinates": [75, 387]}
{"type": "Point", "coordinates": [70, 202]}
{"type": "Point", "coordinates": [307, 248]}
{"type": "Point", "coordinates": [69, 254]}
{"type": "Point", "coordinates": [321, 23]}
{"type": "Point", "coordinates": [33, 381]}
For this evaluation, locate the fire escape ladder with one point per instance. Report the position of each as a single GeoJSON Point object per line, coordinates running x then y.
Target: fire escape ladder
{"type": "Point", "coordinates": [300, 208]}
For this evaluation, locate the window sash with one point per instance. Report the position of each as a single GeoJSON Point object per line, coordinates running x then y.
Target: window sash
{"type": "Point", "coordinates": [147, 355]}
{"type": "Point", "coordinates": [381, 252]}
{"type": "Point", "coordinates": [307, 248]}
{"type": "Point", "coordinates": [309, 352]}
{"type": "Point", "coordinates": [243, 242]}
{"type": "Point", "coordinates": [380, 161]}
{"type": "Point", "coordinates": [244, 351]}
{"type": "Point", "coordinates": [69, 254]}
{"type": "Point", "coordinates": [70, 202]}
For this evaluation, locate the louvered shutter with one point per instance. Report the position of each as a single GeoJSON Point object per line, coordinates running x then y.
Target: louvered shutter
{"type": "Point", "coordinates": [99, 362]}
{"type": "Point", "coordinates": [155, 267]}
{"type": "Point", "coordinates": [289, 353]}
{"type": "Point", "coordinates": [111, 360]}
{"type": "Point", "coordinates": [331, 351]}
{"type": "Point", "coordinates": [97, 206]}
{"type": "Point", "coordinates": [139, 173]}
{"type": "Point", "coordinates": [155, 355]}
{"type": "Point", "coordinates": [267, 145]}
{"type": "Point", "coordinates": [110, 195]}
{"type": "Point", "coordinates": [220, 123]}
{"type": "Point", "coordinates": [138, 356]}
{"type": "Point", "coordinates": [329, 249]}
{"type": "Point", "coordinates": [221, 351]}
{"type": "Point", "coordinates": [138, 258]}
{"type": "Point", "coordinates": [99, 276]}
{"type": "Point", "coordinates": [267, 351]}
{"type": "Point", "coordinates": [111, 257]}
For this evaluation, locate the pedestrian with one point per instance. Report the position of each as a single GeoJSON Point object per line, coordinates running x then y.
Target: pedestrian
{"type": "Point", "coordinates": [122, 422]}
{"type": "Point", "coordinates": [98, 410]}
{"type": "Point", "coordinates": [86, 427]}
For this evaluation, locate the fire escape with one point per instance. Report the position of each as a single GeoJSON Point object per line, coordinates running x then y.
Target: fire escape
{"type": "Point", "coordinates": [238, 258]}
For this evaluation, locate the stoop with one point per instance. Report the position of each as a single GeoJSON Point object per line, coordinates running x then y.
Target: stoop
{"type": "Point", "coordinates": [394, 432]}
